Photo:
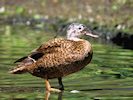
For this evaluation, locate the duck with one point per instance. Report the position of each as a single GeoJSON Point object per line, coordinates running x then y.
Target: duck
{"type": "Point", "coordinates": [58, 57]}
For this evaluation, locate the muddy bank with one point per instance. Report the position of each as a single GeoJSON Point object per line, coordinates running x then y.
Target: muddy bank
{"type": "Point", "coordinates": [123, 39]}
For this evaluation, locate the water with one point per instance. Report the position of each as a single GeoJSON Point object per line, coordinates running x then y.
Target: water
{"type": "Point", "coordinates": [109, 76]}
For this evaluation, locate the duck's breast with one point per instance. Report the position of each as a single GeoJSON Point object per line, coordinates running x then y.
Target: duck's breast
{"type": "Point", "coordinates": [83, 55]}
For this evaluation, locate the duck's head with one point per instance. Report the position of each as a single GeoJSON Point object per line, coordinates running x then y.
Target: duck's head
{"type": "Point", "coordinates": [77, 30]}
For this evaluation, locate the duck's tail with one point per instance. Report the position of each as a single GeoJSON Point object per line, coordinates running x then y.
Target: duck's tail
{"type": "Point", "coordinates": [22, 65]}
{"type": "Point", "coordinates": [19, 70]}
{"type": "Point", "coordinates": [25, 62]}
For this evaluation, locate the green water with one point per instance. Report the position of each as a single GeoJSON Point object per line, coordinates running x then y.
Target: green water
{"type": "Point", "coordinates": [109, 76]}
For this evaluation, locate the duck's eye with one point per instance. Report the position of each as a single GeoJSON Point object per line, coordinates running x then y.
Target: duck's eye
{"type": "Point", "coordinates": [79, 28]}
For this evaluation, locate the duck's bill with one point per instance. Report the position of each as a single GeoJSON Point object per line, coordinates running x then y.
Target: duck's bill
{"type": "Point", "coordinates": [92, 35]}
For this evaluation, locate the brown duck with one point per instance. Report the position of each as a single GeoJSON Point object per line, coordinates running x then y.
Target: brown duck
{"type": "Point", "coordinates": [58, 57]}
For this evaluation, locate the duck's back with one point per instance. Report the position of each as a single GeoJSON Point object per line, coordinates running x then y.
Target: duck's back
{"type": "Point", "coordinates": [60, 58]}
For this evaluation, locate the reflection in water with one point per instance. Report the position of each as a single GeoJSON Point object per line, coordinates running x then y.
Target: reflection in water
{"type": "Point", "coordinates": [47, 95]}
{"type": "Point", "coordinates": [60, 95]}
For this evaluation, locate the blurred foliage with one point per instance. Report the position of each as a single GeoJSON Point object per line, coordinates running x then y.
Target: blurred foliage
{"type": "Point", "coordinates": [110, 13]}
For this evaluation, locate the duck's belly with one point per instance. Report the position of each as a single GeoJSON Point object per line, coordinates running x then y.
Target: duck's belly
{"type": "Point", "coordinates": [62, 70]}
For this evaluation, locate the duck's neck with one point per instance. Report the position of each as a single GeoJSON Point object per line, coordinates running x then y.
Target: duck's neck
{"type": "Point", "coordinates": [74, 39]}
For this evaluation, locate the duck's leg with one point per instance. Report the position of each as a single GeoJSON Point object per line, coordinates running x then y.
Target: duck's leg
{"type": "Point", "coordinates": [47, 95]}
{"type": "Point", "coordinates": [61, 86]}
{"type": "Point", "coordinates": [48, 87]}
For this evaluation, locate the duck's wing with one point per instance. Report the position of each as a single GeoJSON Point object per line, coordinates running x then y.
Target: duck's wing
{"type": "Point", "coordinates": [53, 53]}
{"type": "Point", "coordinates": [62, 51]}
{"type": "Point", "coordinates": [45, 48]}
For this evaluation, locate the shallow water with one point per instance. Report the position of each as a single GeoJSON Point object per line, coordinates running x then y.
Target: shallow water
{"type": "Point", "coordinates": [109, 76]}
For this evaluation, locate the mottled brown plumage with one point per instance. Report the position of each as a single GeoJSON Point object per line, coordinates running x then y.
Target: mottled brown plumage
{"type": "Point", "coordinates": [58, 57]}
